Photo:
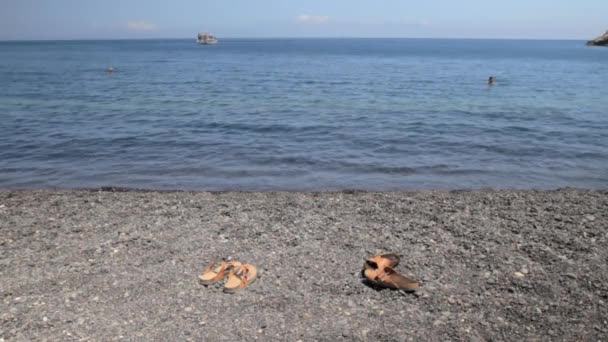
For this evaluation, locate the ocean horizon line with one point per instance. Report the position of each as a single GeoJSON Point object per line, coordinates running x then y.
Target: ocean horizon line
{"type": "Point", "coordinates": [289, 38]}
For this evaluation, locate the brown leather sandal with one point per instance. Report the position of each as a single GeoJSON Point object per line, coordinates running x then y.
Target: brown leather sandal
{"type": "Point", "coordinates": [215, 272]}
{"type": "Point", "coordinates": [240, 276]}
{"type": "Point", "coordinates": [381, 261]}
{"type": "Point", "coordinates": [371, 274]}
{"type": "Point", "coordinates": [391, 279]}
{"type": "Point", "coordinates": [378, 271]}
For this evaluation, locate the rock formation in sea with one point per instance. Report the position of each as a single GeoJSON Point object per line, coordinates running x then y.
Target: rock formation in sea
{"type": "Point", "coordinates": [599, 41]}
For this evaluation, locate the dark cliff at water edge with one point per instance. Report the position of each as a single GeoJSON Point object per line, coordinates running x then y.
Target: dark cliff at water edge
{"type": "Point", "coordinates": [599, 41]}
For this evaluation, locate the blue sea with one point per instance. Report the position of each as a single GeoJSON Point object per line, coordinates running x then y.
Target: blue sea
{"type": "Point", "coordinates": [303, 114]}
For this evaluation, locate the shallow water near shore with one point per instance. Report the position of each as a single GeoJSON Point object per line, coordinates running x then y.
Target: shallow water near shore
{"type": "Point", "coordinates": [303, 114]}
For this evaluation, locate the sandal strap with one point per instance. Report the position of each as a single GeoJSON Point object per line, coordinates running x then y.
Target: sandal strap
{"type": "Point", "coordinates": [220, 272]}
{"type": "Point", "coordinates": [212, 265]}
{"type": "Point", "coordinates": [244, 282]}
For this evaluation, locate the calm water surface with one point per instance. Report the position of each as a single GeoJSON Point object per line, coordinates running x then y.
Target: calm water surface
{"type": "Point", "coordinates": [304, 114]}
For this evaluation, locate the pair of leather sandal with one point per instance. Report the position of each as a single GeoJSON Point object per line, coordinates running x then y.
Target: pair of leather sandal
{"type": "Point", "coordinates": [379, 271]}
{"type": "Point", "coordinates": [238, 275]}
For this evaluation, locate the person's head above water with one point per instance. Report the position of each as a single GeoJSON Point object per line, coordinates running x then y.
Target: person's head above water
{"type": "Point", "coordinates": [110, 69]}
{"type": "Point", "coordinates": [491, 80]}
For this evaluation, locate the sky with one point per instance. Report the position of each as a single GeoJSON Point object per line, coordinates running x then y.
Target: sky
{"type": "Point", "coordinates": [132, 19]}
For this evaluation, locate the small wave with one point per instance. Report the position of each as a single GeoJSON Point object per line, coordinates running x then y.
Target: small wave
{"type": "Point", "coordinates": [258, 128]}
{"type": "Point", "coordinates": [354, 168]}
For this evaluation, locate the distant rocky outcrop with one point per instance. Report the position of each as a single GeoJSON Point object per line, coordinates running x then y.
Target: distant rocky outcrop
{"type": "Point", "coordinates": [599, 41]}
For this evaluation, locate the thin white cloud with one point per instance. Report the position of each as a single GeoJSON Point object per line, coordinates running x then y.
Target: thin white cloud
{"type": "Point", "coordinates": [141, 26]}
{"type": "Point", "coordinates": [312, 19]}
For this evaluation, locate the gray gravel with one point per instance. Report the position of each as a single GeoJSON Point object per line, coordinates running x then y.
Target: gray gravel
{"type": "Point", "coordinates": [494, 265]}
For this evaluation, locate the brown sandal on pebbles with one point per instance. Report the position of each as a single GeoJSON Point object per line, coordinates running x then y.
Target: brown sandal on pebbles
{"type": "Point", "coordinates": [214, 272]}
{"type": "Point", "coordinates": [383, 260]}
{"type": "Point", "coordinates": [240, 276]}
{"type": "Point", "coordinates": [378, 271]}
{"type": "Point", "coordinates": [393, 280]}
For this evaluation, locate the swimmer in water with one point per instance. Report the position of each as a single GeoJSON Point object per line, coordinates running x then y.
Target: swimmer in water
{"type": "Point", "coordinates": [110, 70]}
{"type": "Point", "coordinates": [491, 80]}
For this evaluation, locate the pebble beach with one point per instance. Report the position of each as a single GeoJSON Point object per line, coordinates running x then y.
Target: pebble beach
{"type": "Point", "coordinates": [115, 264]}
